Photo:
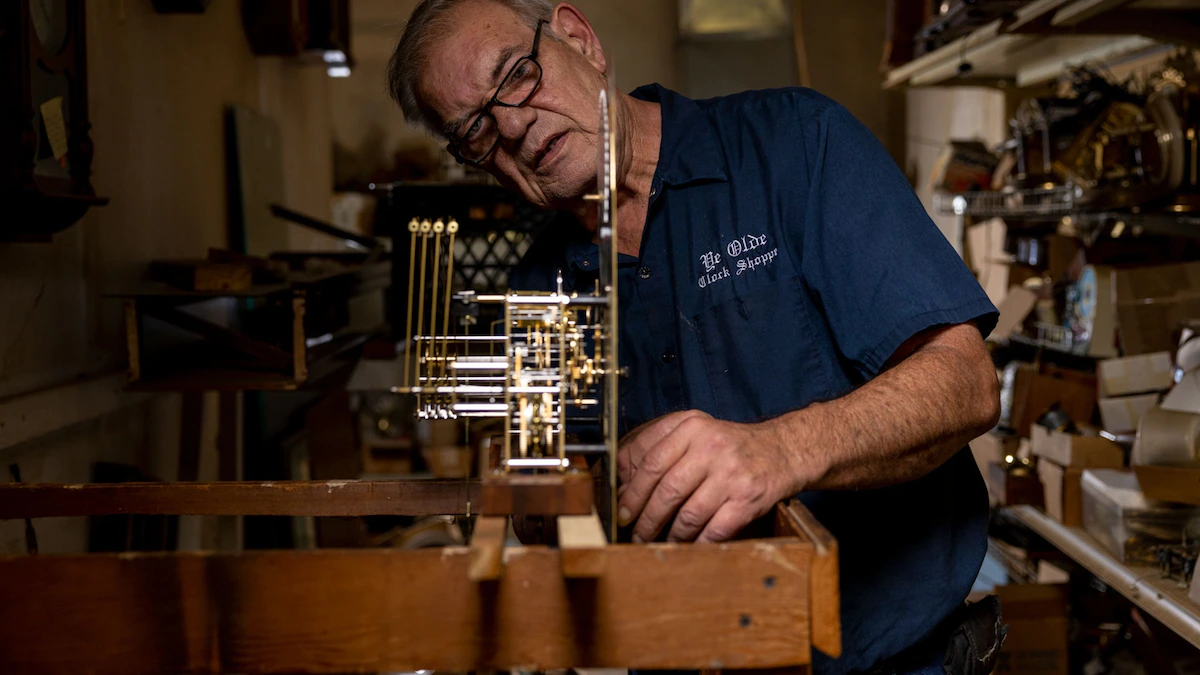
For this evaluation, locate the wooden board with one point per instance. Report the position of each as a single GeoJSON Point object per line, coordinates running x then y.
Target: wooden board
{"type": "Point", "coordinates": [735, 605]}
{"type": "Point", "coordinates": [240, 498]}
{"type": "Point", "coordinates": [796, 520]}
{"type": "Point", "coordinates": [546, 494]}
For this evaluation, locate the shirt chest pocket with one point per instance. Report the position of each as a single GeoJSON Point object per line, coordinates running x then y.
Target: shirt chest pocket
{"type": "Point", "coordinates": [761, 352]}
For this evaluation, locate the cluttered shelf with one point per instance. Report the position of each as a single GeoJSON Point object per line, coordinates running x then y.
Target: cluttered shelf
{"type": "Point", "coordinates": [1162, 598]}
{"type": "Point", "coordinates": [1026, 43]}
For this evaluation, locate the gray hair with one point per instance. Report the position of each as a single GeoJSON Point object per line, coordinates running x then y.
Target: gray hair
{"type": "Point", "coordinates": [427, 24]}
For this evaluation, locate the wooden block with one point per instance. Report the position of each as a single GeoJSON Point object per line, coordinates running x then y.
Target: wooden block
{"type": "Point", "coordinates": [583, 545]}
{"type": "Point", "coordinates": [542, 494]}
{"type": "Point", "coordinates": [794, 519]}
{"type": "Point", "coordinates": [487, 548]}
{"type": "Point", "coordinates": [340, 611]}
{"type": "Point", "coordinates": [203, 275]}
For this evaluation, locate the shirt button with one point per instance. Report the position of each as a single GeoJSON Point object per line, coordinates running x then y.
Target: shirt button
{"type": "Point", "coordinates": [668, 356]}
{"type": "Point", "coordinates": [653, 191]}
{"type": "Point", "coordinates": [644, 272]}
{"type": "Point", "coordinates": [587, 263]}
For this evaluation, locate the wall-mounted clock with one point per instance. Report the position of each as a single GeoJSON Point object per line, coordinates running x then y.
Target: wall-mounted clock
{"type": "Point", "coordinates": [45, 144]}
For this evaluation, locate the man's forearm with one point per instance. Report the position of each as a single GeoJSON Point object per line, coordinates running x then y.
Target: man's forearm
{"type": "Point", "coordinates": [900, 425]}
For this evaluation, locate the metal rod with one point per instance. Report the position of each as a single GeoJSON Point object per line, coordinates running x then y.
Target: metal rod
{"type": "Point", "coordinates": [451, 228]}
{"type": "Point", "coordinates": [537, 463]}
{"type": "Point", "coordinates": [426, 226]}
{"type": "Point", "coordinates": [438, 227]}
{"type": "Point", "coordinates": [586, 448]}
{"type": "Point", "coordinates": [413, 226]}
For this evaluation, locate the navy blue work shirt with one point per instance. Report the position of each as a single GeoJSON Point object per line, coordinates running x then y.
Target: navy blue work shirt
{"type": "Point", "coordinates": [784, 259]}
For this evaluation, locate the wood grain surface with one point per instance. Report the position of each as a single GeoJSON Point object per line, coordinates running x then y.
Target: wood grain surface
{"type": "Point", "coordinates": [736, 605]}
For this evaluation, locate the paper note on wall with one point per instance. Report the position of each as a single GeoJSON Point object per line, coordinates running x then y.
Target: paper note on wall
{"type": "Point", "coordinates": [56, 128]}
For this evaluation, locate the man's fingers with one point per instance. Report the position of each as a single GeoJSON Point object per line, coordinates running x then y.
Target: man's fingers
{"type": "Point", "coordinates": [730, 519]}
{"type": "Point", "coordinates": [637, 442]}
{"type": "Point", "coordinates": [655, 463]}
{"type": "Point", "coordinates": [697, 511]}
{"type": "Point", "coordinates": [673, 489]}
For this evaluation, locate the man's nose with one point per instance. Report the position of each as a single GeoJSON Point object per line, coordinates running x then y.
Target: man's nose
{"type": "Point", "coordinates": [513, 123]}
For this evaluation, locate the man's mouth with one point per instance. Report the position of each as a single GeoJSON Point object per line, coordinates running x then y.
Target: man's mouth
{"type": "Point", "coordinates": [549, 151]}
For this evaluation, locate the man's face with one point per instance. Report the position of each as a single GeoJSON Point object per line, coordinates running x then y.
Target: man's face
{"type": "Point", "coordinates": [547, 147]}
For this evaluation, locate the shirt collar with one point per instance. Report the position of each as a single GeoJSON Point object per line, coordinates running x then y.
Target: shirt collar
{"type": "Point", "coordinates": [689, 151]}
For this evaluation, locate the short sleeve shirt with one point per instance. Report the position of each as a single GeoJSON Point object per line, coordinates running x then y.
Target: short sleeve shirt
{"type": "Point", "coordinates": [784, 259]}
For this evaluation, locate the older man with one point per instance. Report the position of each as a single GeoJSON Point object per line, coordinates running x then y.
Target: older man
{"type": "Point", "coordinates": [791, 319]}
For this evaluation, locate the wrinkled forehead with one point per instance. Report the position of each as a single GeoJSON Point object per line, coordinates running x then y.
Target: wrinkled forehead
{"type": "Point", "coordinates": [465, 60]}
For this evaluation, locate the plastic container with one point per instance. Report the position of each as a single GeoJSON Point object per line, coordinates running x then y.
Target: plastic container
{"type": "Point", "coordinates": [1118, 516]}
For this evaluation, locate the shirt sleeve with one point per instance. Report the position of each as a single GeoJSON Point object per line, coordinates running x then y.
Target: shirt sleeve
{"type": "Point", "coordinates": [874, 261]}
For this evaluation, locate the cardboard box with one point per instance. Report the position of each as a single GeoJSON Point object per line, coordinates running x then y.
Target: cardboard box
{"type": "Point", "coordinates": [992, 447]}
{"type": "Point", "coordinates": [1009, 488]}
{"type": "Point", "coordinates": [1049, 573]}
{"type": "Point", "coordinates": [1034, 391]}
{"type": "Point", "coordinates": [1185, 396]}
{"type": "Point", "coordinates": [985, 244]}
{"type": "Point", "coordinates": [1016, 305]}
{"type": "Point", "coordinates": [1062, 492]}
{"type": "Point", "coordinates": [1178, 483]}
{"type": "Point", "coordinates": [1134, 374]}
{"type": "Point", "coordinates": [1123, 412]}
{"type": "Point", "coordinates": [1036, 615]}
{"type": "Point", "coordinates": [1074, 450]}
{"type": "Point", "coordinates": [1152, 302]}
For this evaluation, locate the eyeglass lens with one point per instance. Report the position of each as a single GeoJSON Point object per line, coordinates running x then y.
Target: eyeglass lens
{"type": "Point", "coordinates": [516, 89]}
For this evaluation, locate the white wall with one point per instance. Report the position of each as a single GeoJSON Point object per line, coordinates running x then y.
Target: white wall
{"type": "Point", "coordinates": [936, 115]}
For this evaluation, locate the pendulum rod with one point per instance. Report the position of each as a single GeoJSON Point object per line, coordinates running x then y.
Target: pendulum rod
{"type": "Point", "coordinates": [426, 226]}
{"type": "Point", "coordinates": [413, 226]}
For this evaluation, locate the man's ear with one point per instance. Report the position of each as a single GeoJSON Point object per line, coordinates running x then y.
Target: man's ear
{"type": "Point", "coordinates": [573, 29]}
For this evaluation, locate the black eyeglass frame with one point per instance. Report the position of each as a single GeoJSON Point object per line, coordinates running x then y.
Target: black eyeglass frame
{"type": "Point", "coordinates": [454, 140]}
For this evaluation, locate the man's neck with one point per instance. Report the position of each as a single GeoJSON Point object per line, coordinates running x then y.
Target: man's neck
{"type": "Point", "coordinates": [639, 125]}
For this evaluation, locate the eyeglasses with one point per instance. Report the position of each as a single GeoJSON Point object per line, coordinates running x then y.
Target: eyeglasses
{"type": "Point", "coordinates": [517, 87]}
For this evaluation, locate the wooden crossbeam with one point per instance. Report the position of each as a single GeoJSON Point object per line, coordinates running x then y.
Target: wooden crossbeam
{"type": "Point", "coordinates": [551, 494]}
{"type": "Point", "coordinates": [240, 498]}
{"type": "Point", "coordinates": [293, 498]}
{"type": "Point", "coordinates": [736, 605]}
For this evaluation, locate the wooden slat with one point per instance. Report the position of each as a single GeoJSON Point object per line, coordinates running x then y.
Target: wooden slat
{"type": "Point", "coordinates": [487, 548]}
{"type": "Point", "coordinates": [546, 494]}
{"type": "Point", "coordinates": [583, 544]}
{"type": "Point", "coordinates": [794, 519]}
{"type": "Point", "coordinates": [657, 606]}
{"type": "Point", "coordinates": [299, 338]}
{"type": "Point", "coordinates": [240, 498]}
{"type": "Point", "coordinates": [133, 334]}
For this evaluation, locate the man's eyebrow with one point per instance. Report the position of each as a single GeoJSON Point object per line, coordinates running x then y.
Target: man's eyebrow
{"type": "Point", "coordinates": [452, 128]}
{"type": "Point", "coordinates": [501, 61]}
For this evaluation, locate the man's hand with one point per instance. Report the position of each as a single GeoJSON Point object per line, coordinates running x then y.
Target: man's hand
{"type": "Point", "coordinates": [717, 475]}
